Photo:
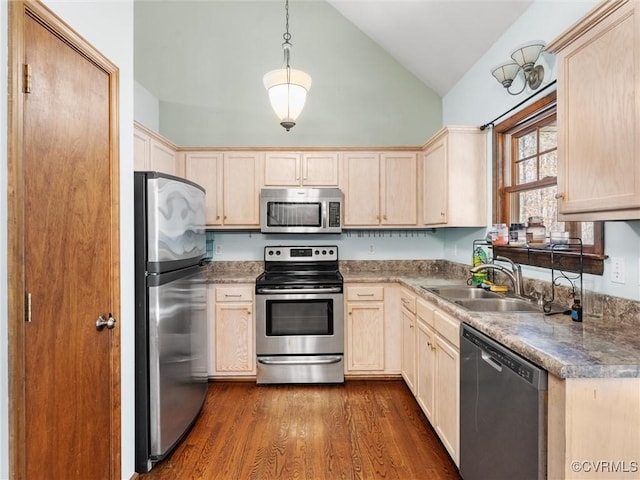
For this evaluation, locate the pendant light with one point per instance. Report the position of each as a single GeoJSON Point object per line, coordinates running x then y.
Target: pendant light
{"type": "Point", "coordinates": [287, 87]}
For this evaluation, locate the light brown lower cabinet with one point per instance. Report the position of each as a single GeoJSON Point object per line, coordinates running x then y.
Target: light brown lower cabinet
{"type": "Point", "coordinates": [372, 339]}
{"type": "Point", "coordinates": [593, 428]}
{"type": "Point", "coordinates": [437, 386]}
{"type": "Point", "coordinates": [232, 327]}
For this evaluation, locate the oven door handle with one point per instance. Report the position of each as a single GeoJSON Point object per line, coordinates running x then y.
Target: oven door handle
{"type": "Point", "coordinates": [289, 291]}
{"type": "Point", "coordinates": [324, 360]}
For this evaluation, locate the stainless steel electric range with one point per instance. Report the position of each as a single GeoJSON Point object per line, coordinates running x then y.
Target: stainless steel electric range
{"type": "Point", "coordinates": [300, 316]}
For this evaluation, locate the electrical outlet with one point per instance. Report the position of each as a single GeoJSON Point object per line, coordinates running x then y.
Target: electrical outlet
{"type": "Point", "coordinates": [218, 249]}
{"type": "Point", "coordinates": [617, 270]}
{"type": "Point", "coordinates": [371, 249]}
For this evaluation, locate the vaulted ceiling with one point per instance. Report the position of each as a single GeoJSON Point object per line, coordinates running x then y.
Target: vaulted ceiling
{"type": "Point", "coordinates": [437, 40]}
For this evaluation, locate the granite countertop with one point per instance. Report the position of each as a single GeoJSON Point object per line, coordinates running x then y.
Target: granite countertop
{"type": "Point", "coordinates": [597, 347]}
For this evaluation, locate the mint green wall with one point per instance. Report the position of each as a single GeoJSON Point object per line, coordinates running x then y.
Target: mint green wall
{"type": "Point", "coordinates": [204, 61]}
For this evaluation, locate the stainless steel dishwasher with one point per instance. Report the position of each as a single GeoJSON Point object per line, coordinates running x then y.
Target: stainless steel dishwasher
{"type": "Point", "coordinates": [502, 411]}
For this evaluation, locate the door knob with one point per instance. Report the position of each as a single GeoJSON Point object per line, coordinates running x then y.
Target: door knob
{"type": "Point", "coordinates": [110, 323]}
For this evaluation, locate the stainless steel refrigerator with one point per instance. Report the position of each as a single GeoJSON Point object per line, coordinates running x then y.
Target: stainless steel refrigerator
{"type": "Point", "coordinates": [171, 312]}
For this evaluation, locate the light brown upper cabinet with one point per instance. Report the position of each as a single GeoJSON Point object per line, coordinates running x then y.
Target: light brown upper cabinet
{"type": "Point", "coordinates": [599, 114]}
{"type": "Point", "coordinates": [380, 189]}
{"type": "Point", "coordinates": [232, 180]}
{"type": "Point", "coordinates": [242, 179]}
{"type": "Point", "coordinates": [296, 169]}
{"type": "Point", "coordinates": [205, 169]}
{"type": "Point", "coordinates": [152, 152]}
{"type": "Point", "coordinates": [454, 179]}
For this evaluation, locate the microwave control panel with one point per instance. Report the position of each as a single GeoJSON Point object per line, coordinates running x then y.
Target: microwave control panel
{"type": "Point", "coordinates": [334, 214]}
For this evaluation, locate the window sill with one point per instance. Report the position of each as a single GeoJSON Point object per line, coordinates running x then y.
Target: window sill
{"type": "Point", "coordinates": [562, 260]}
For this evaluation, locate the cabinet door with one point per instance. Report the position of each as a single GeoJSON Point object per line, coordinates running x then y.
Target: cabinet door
{"type": "Point", "coordinates": [242, 179]}
{"type": "Point", "coordinates": [205, 169]}
{"type": "Point", "coordinates": [408, 348]}
{"type": "Point", "coordinates": [426, 369]}
{"type": "Point", "coordinates": [282, 169]}
{"type": "Point", "coordinates": [163, 158]}
{"type": "Point", "coordinates": [448, 395]}
{"type": "Point", "coordinates": [141, 150]}
{"type": "Point", "coordinates": [361, 176]}
{"type": "Point", "coordinates": [234, 344]}
{"type": "Point", "coordinates": [434, 168]}
{"type": "Point", "coordinates": [398, 189]}
{"type": "Point", "coordinates": [320, 169]}
{"type": "Point", "coordinates": [365, 336]}
{"type": "Point", "coordinates": [599, 119]}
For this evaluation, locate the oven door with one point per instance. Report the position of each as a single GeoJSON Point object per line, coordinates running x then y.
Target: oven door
{"type": "Point", "coordinates": [299, 324]}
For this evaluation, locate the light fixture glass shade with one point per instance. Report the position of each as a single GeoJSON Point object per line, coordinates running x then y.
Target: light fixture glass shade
{"type": "Point", "coordinates": [526, 55]}
{"type": "Point", "coordinates": [287, 92]}
{"type": "Point", "coordinates": [505, 73]}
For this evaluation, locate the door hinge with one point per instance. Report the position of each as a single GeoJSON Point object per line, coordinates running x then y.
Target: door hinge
{"type": "Point", "coordinates": [27, 308]}
{"type": "Point", "coordinates": [27, 78]}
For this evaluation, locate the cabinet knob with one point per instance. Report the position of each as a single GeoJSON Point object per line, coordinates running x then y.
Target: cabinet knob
{"type": "Point", "coordinates": [442, 214]}
{"type": "Point", "coordinates": [559, 195]}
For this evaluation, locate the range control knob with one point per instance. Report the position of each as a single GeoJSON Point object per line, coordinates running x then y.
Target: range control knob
{"type": "Point", "coordinates": [270, 252]}
{"type": "Point", "coordinates": [317, 252]}
{"type": "Point", "coordinates": [324, 252]}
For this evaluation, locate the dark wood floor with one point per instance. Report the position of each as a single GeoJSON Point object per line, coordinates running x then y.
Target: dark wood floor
{"type": "Point", "coordinates": [359, 430]}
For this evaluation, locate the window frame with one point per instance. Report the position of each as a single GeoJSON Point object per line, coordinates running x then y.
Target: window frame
{"type": "Point", "coordinates": [532, 116]}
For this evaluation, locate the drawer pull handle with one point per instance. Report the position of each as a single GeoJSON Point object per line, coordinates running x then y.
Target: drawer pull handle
{"type": "Point", "coordinates": [365, 294]}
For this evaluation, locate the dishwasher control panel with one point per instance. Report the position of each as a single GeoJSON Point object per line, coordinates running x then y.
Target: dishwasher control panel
{"type": "Point", "coordinates": [500, 355]}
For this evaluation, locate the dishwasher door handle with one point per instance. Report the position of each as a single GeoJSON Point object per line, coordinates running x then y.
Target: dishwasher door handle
{"type": "Point", "coordinates": [491, 361]}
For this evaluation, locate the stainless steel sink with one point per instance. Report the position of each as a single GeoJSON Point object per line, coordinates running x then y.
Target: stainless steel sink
{"type": "Point", "coordinates": [498, 305]}
{"type": "Point", "coordinates": [461, 292]}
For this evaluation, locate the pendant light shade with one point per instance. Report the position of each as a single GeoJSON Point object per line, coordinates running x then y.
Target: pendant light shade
{"type": "Point", "coordinates": [287, 93]}
{"type": "Point", "coordinates": [287, 87]}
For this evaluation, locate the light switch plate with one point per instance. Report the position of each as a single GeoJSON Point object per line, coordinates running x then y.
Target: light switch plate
{"type": "Point", "coordinates": [617, 270]}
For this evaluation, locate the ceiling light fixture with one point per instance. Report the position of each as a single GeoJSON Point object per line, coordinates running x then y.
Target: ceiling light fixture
{"type": "Point", "coordinates": [287, 87]}
{"type": "Point", "coordinates": [523, 60]}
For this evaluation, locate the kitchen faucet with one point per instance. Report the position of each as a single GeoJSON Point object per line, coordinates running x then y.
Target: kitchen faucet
{"type": "Point", "coordinates": [515, 274]}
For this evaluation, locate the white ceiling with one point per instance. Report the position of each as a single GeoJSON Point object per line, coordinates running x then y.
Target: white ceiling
{"type": "Point", "coordinates": [437, 40]}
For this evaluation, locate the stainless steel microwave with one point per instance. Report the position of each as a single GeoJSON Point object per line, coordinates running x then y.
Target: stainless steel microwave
{"type": "Point", "coordinates": [301, 210]}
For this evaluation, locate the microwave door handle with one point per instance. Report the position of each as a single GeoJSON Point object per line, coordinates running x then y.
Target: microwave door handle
{"type": "Point", "coordinates": [324, 215]}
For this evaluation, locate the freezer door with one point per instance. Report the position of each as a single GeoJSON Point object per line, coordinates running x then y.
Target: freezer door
{"type": "Point", "coordinates": [177, 355]}
{"type": "Point", "coordinates": [175, 222]}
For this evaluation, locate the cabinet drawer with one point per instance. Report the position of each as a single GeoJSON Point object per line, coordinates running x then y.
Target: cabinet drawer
{"type": "Point", "coordinates": [448, 328]}
{"type": "Point", "coordinates": [365, 293]}
{"type": "Point", "coordinates": [234, 294]}
{"type": "Point", "coordinates": [425, 312]}
{"type": "Point", "coordinates": [408, 300]}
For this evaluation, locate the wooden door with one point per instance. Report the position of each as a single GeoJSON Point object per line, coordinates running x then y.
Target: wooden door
{"type": "Point", "coordinates": [434, 169]}
{"type": "Point", "coordinates": [320, 169]}
{"type": "Point", "coordinates": [242, 178]}
{"type": "Point", "coordinates": [365, 336]}
{"type": "Point", "coordinates": [205, 168]}
{"type": "Point", "coordinates": [408, 320]}
{"type": "Point", "coordinates": [362, 189]}
{"type": "Point", "coordinates": [425, 375]}
{"type": "Point", "coordinates": [65, 372]}
{"type": "Point", "coordinates": [447, 395]}
{"type": "Point", "coordinates": [282, 169]}
{"type": "Point", "coordinates": [399, 189]}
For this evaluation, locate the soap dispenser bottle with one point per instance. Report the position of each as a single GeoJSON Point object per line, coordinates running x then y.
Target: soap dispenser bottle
{"type": "Point", "coordinates": [576, 310]}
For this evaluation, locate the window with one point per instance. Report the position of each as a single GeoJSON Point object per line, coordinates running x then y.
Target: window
{"type": "Point", "coordinates": [525, 184]}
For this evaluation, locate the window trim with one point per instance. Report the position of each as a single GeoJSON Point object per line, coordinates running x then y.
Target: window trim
{"type": "Point", "coordinates": [593, 257]}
